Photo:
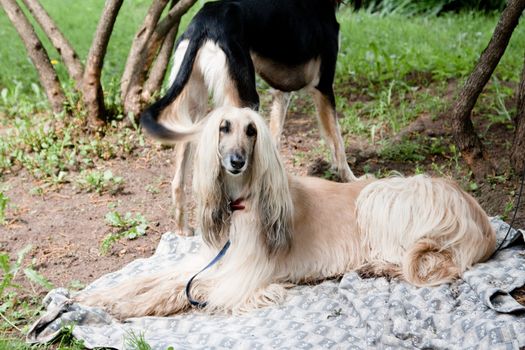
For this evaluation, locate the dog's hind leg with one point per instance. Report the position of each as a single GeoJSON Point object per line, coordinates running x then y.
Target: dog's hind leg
{"type": "Point", "coordinates": [330, 129]}
{"type": "Point", "coordinates": [280, 103]}
{"type": "Point", "coordinates": [190, 107]}
{"type": "Point", "coordinates": [213, 64]}
{"type": "Point", "coordinates": [240, 77]}
{"type": "Point", "coordinates": [178, 185]}
{"type": "Point", "coordinates": [324, 99]}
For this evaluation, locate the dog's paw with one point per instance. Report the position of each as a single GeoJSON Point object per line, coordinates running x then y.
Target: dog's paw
{"type": "Point", "coordinates": [186, 232]}
{"type": "Point", "coordinates": [118, 309]}
{"type": "Point", "coordinates": [367, 176]}
{"type": "Point", "coordinates": [100, 300]}
{"type": "Point", "coordinates": [345, 174]}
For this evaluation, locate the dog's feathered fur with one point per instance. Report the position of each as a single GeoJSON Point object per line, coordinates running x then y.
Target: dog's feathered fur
{"type": "Point", "coordinates": [424, 230]}
{"type": "Point", "coordinates": [291, 44]}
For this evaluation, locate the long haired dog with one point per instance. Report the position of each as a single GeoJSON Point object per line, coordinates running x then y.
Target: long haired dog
{"type": "Point", "coordinates": [285, 229]}
{"type": "Point", "coordinates": [291, 44]}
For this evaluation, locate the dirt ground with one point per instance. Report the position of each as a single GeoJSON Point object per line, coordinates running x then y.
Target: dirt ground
{"type": "Point", "coordinates": [65, 226]}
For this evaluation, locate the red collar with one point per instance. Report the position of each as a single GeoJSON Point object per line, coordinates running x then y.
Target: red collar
{"type": "Point", "coordinates": [237, 204]}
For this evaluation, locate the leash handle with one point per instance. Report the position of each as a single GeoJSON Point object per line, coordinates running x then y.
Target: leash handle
{"type": "Point", "coordinates": [192, 301]}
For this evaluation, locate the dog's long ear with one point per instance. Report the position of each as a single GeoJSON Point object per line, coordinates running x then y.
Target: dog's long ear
{"type": "Point", "coordinates": [212, 202]}
{"type": "Point", "coordinates": [270, 184]}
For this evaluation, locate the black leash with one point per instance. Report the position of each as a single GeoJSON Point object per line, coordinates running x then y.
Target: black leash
{"type": "Point", "coordinates": [520, 192]}
{"type": "Point", "coordinates": [213, 262]}
{"type": "Point", "coordinates": [234, 205]}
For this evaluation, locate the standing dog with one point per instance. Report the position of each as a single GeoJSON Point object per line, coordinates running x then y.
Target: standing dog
{"type": "Point", "coordinates": [284, 229]}
{"type": "Point", "coordinates": [291, 44]}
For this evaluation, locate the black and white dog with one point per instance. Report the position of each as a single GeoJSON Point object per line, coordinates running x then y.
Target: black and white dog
{"type": "Point", "coordinates": [291, 44]}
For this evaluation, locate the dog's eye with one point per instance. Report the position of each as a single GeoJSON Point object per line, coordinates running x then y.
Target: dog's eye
{"type": "Point", "coordinates": [251, 131]}
{"type": "Point", "coordinates": [225, 127]}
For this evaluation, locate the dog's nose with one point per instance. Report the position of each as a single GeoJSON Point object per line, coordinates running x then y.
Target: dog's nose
{"type": "Point", "coordinates": [237, 161]}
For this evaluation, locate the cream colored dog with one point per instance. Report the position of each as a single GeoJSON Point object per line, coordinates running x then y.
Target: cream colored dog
{"type": "Point", "coordinates": [285, 229]}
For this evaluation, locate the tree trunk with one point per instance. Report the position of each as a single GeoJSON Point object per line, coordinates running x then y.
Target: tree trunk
{"type": "Point", "coordinates": [517, 156]}
{"type": "Point", "coordinates": [173, 16]}
{"type": "Point", "coordinates": [37, 53]}
{"type": "Point", "coordinates": [93, 95]}
{"type": "Point", "coordinates": [136, 56]}
{"type": "Point", "coordinates": [465, 137]}
{"type": "Point", "coordinates": [133, 101]}
{"type": "Point", "coordinates": [158, 71]}
{"type": "Point", "coordinates": [59, 41]}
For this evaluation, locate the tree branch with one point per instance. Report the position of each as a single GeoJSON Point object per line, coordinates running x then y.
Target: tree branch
{"type": "Point", "coordinates": [465, 137]}
{"type": "Point", "coordinates": [173, 16]}
{"type": "Point", "coordinates": [162, 29]}
{"type": "Point", "coordinates": [158, 71]}
{"type": "Point", "coordinates": [517, 156]}
{"type": "Point", "coordinates": [37, 53]}
{"type": "Point", "coordinates": [93, 95]}
{"type": "Point", "coordinates": [69, 56]}
{"type": "Point", "coordinates": [136, 56]}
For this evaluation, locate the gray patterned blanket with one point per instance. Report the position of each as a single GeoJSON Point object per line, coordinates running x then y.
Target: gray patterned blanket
{"type": "Point", "coordinates": [477, 312]}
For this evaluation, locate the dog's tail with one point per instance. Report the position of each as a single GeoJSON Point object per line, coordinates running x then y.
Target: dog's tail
{"type": "Point", "coordinates": [149, 118]}
{"type": "Point", "coordinates": [426, 263]}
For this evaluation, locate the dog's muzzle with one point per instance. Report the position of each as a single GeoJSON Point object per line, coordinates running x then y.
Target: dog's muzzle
{"type": "Point", "coordinates": [236, 164]}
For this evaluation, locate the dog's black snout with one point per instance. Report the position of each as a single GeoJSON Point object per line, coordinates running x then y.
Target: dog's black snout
{"type": "Point", "coordinates": [237, 161]}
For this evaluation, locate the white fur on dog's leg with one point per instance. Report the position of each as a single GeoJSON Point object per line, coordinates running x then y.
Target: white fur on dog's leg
{"type": "Point", "coordinates": [280, 103]}
{"type": "Point", "coordinates": [160, 300]}
{"type": "Point", "coordinates": [272, 294]}
{"type": "Point", "coordinates": [160, 294]}
{"type": "Point", "coordinates": [182, 154]}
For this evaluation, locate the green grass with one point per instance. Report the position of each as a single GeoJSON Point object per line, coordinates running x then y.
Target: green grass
{"type": "Point", "coordinates": [413, 150]}
{"type": "Point", "coordinates": [15, 310]}
{"type": "Point", "coordinates": [378, 48]}
{"type": "Point", "coordinates": [77, 20]}
{"type": "Point", "coordinates": [137, 341]}
{"type": "Point", "coordinates": [392, 69]}
{"type": "Point", "coordinates": [372, 46]}
{"type": "Point", "coordinates": [65, 341]}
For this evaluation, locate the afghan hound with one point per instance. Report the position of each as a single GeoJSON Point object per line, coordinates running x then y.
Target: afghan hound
{"type": "Point", "coordinates": [291, 44]}
{"type": "Point", "coordinates": [281, 229]}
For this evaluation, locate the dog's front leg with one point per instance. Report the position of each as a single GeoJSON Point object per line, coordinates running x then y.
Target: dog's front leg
{"type": "Point", "coordinates": [182, 155]}
{"type": "Point", "coordinates": [158, 294]}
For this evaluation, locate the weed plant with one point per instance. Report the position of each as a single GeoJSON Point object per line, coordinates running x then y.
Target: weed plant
{"type": "Point", "coordinates": [128, 226]}
{"type": "Point", "coordinates": [100, 182]}
{"type": "Point", "coordinates": [3, 206]}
